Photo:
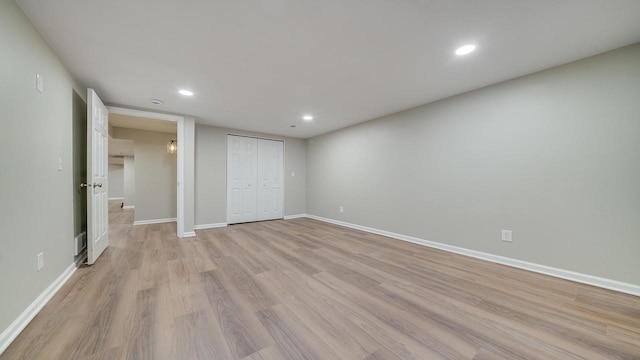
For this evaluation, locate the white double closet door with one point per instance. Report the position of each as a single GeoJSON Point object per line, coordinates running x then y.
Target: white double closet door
{"type": "Point", "coordinates": [255, 184]}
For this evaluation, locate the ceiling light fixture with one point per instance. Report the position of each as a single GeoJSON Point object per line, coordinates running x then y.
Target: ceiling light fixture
{"type": "Point", "coordinates": [466, 49]}
{"type": "Point", "coordinates": [186, 92]}
{"type": "Point", "coordinates": [156, 101]}
{"type": "Point", "coordinates": [307, 117]}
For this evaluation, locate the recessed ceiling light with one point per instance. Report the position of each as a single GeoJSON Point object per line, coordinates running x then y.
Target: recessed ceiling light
{"type": "Point", "coordinates": [466, 49]}
{"type": "Point", "coordinates": [307, 117]}
{"type": "Point", "coordinates": [186, 92]}
{"type": "Point", "coordinates": [156, 101]}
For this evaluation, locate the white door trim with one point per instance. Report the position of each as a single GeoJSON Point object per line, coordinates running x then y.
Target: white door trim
{"type": "Point", "coordinates": [284, 167]}
{"type": "Point", "coordinates": [255, 137]}
{"type": "Point", "coordinates": [143, 113]}
{"type": "Point", "coordinates": [181, 150]}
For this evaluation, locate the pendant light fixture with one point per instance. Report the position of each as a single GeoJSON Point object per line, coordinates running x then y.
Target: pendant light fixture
{"type": "Point", "coordinates": [172, 147]}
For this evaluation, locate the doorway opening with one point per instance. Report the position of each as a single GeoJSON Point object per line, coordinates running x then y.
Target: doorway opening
{"type": "Point", "coordinates": [79, 135]}
{"type": "Point", "coordinates": [184, 159]}
{"type": "Point", "coordinates": [143, 170]}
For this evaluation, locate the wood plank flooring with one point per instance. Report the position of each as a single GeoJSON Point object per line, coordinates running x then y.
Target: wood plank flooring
{"type": "Point", "coordinates": [303, 289]}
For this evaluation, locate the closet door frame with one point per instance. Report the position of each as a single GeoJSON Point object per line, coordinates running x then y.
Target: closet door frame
{"type": "Point", "coordinates": [228, 190]}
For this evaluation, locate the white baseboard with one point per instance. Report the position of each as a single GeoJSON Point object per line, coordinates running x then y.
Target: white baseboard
{"type": "Point", "coordinates": [189, 234]}
{"type": "Point", "coordinates": [117, 198]}
{"type": "Point", "coordinates": [10, 333]}
{"type": "Point", "coordinates": [296, 216]}
{"type": "Point", "coordinates": [542, 269]}
{"type": "Point", "coordinates": [209, 226]}
{"type": "Point", "coordinates": [154, 221]}
{"type": "Point", "coordinates": [129, 207]}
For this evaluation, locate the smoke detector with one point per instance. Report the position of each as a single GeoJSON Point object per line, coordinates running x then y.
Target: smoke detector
{"type": "Point", "coordinates": [156, 101]}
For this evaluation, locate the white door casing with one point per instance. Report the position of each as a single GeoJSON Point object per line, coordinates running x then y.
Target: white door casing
{"type": "Point", "coordinates": [98, 185]}
{"type": "Point", "coordinates": [185, 181]}
{"type": "Point", "coordinates": [270, 179]}
{"type": "Point", "coordinates": [242, 169]}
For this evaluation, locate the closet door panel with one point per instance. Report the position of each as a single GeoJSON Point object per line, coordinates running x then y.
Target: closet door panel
{"type": "Point", "coordinates": [250, 180]}
{"type": "Point", "coordinates": [270, 179]}
{"type": "Point", "coordinates": [242, 171]}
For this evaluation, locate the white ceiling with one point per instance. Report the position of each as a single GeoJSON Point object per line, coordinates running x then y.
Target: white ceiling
{"type": "Point", "coordinates": [260, 65]}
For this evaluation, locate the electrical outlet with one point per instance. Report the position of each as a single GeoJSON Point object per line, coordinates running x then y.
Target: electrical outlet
{"type": "Point", "coordinates": [506, 235]}
{"type": "Point", "coordinates": [40, 261]}
{"type": "Point", "coordinates": [341, 210]}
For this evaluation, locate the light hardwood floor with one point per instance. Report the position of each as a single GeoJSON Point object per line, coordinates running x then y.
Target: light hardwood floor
{"type": "Point", "coordinates": [303, 289]}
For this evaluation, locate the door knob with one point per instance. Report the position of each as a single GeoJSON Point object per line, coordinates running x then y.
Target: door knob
{"type": "Point", "coordinates": [84, 185]}
{"type": "Point", "coordinates": [97, 185]}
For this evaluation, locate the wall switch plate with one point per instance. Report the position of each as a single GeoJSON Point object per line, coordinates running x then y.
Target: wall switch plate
{"type": "Point", "coordinates": [59, 164]}
{"type": "Point", "coordinates": [40, 261]}
{"type": "Point", "coordinates": [506, 235]}
{"type": "Point", "coordinates": [39, 83]}
{"type": "Point", "coordinates": [341, 210]}
{"type": "Point", "coordinates": [293, 174]}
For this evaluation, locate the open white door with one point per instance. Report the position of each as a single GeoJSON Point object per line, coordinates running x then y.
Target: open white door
{"type": "Point", "coordinates": [97, 181]}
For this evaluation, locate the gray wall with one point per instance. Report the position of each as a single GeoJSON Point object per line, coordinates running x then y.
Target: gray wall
{"type": "Point", "coordinates": [116, 181]}
{"type": "Point", "coordinates": [129, 181]}
{"type": "Point", "coordinates": [211, 173]}
{"type": "Point", "coordinates": [554, 157]}
{"type": "Point", "coordinates": [35, 129]}
{"type": "Point", "coordinates": [155, 173]}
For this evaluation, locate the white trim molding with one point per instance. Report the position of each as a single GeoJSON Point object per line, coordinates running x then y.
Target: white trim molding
{"type": "Point", "coordinates": [180, 179]}
{"type": "Point", "coordinates": [189, 234]}
{"type": "Point", "coordinates": [209, 226]}
{"type": "Point", "coordinates": [520, 264]}
{"type": "Point", "coordinates": [129, 207]}
{"type": "Point", "coordinates": [142, 113]}
{"type": "Point", "coordinates": [296, 216]}
{"type": "Point", "coordinates": [116, 198]}
{"type": "Point", "coordinates": [9, 334]}
{"type": "Point", "coordinates": [154, 221]}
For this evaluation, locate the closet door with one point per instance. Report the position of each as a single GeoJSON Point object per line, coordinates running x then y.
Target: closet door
{"type": "Point", "coordinates": [242, 171]}
{"type": "Point", "coordinates": [270, 179]}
